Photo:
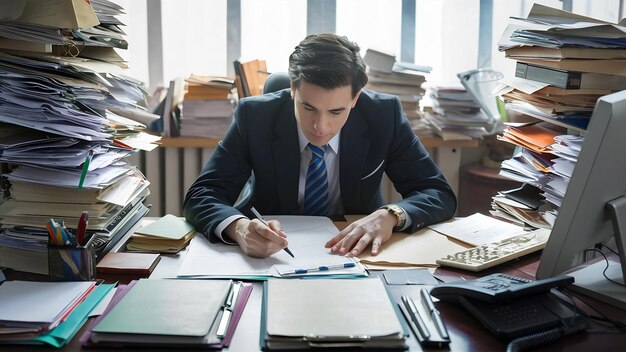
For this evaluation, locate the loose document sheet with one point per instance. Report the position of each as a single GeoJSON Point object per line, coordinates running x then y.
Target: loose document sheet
{"type": "Point", "coordinates": [306, 235]}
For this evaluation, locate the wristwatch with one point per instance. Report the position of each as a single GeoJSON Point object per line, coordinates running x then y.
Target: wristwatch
{"type": "Point", "coordinates": [398, 213]}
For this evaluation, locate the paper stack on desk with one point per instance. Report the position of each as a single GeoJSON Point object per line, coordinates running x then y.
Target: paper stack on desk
{"type": "Point", "coordinates": [67, 148]}
{"type": "Point", "coordinates": [168, 234]}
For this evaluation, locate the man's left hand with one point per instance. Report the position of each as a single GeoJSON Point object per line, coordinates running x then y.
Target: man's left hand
{"type": "Point", "coordinates": [375, 228]}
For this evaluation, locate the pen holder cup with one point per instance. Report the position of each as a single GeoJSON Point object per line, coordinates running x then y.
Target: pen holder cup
{"type": "Point", "coordinates": [67, 263]}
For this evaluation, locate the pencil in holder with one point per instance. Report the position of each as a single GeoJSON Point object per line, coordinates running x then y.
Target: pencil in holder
{"type": "Point", "coordinates": [70, 263]}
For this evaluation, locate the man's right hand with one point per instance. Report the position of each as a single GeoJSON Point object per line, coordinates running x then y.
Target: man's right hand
{"type": "Point", "coordinates": [256, 239]}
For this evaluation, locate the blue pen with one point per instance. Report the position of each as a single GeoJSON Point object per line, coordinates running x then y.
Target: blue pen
{"type": "Point", "coordinates": [320, 268]}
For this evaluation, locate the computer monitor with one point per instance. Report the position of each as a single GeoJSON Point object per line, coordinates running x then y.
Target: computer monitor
{"type": "Point", "coordinates": [594, 207]}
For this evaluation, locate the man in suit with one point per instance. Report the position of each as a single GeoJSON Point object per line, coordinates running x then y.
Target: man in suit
{"type": "Point", "coordinates": [319, 148]}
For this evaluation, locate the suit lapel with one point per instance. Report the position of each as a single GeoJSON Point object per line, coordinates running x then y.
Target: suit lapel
{"type": "Point", "coordinates": [353, 150]}
{"type": "Point", "coordinates": [287, 159]}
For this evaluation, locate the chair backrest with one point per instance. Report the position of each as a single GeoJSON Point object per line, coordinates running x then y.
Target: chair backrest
{"type": "Point", "coordinates": [275, 82]}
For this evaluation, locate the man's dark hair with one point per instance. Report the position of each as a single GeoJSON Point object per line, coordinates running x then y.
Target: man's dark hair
{"type": "Point", "coordinates": [329, 61]}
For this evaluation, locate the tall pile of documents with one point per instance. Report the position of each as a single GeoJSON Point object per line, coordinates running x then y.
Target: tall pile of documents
{"type": "Point", "coordinates": [403, 79]}
{"type": "Point", "coordinates": [565, 62]}
{"type": "Point", "coordinates": [453, 113]}
{"type": "Point", "coordinates": [69, 118]}
{"type": "Point", "coordinates": [544, 161]}
{"type": "Point", "coordinates": [207, 107]}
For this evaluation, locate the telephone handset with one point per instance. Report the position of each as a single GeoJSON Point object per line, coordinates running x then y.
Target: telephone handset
{"type": "Point", "coordinates": [510, 306]}
{"type": "Point", "coordinates": [498, 287]}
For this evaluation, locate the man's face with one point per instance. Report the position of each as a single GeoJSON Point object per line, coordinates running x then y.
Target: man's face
{"type": "Point", "coordinates": [321, 112]}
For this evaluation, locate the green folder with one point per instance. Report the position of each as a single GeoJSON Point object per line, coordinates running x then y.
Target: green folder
{"type": "Point", "coordinates": [166, 307]}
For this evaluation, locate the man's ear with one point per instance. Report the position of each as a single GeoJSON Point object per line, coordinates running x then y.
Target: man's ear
{"type": "Point", "coordinates": [355, 99]}
{"type": "Point", "coordinates": [293, 90]}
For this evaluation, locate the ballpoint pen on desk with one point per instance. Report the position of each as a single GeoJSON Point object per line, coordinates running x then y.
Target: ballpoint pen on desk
{"type": "Point", "coordinates": [434, 313]}
{"type": "Point", "coordinates": [319, 268]}
{"type": "Point", "coordinates": [258, 216]}
{"type": "Point", "coordinates": [228, 308]}
{"type": "Point", "coordinates": [415, 317]}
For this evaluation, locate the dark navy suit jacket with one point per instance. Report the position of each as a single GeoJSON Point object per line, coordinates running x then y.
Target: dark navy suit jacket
{"type": "Point", "coordinates": [263, 139]}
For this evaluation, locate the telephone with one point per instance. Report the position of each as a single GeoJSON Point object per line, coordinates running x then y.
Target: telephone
{"type": "Point", "coordinates": [510, 306]}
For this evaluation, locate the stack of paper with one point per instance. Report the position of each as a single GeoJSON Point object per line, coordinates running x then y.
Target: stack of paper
{"type": "Point", "coordinates": [46, 312]}
{"type": "Point", "coordinates": [453, 113]}
{"type": "Point", "coordinates": [544, 160]}
{"type": "Point", "coordinates": [301, 314]}
{"type": "Point", "coordinates": [71, 120]}
{"type": "Point", "coordinates": [207, 106]}
{"type": "Point", "coordinates": [565, 62]}
{"type": "Point", "coordinates": [171, 313]}
{"type": "Point", "coordinates": [386, 75]}
{"type": "Point", "coordinates": [525, 206]}
{"type": "Point", "coordinates": [168, 234]}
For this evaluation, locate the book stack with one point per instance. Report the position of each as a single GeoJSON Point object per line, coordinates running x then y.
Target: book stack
{"type": "Point", "coordinates": [207, 106]}
{"type": "Point", "coordinates": [565, 63]}
{"type": "Point", "coordinates": [168, 234]}
{"type": "Point", "coordinates": [453, 114]}
{"type": "Point", "coordinates": [386, 75]}
{"type": "Point", "coordinates": [68, 121]}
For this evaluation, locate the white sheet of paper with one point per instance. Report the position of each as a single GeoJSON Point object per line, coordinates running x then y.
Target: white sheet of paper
{"type": "Point", "coordinates": [478, 229]}
{"type": "Point", "coordinates": [306, 235]}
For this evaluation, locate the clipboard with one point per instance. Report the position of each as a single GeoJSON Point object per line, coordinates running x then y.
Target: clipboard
{"type": "Point", "coordinates": [308, 325]}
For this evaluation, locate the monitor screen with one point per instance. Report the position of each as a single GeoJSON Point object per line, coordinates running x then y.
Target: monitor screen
{"type": "Point", "coordinates": [599, 178]}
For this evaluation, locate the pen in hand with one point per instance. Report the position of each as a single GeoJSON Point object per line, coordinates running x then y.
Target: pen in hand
{"type": "Point", "coordinates": [434, 313]}
{"type": "Point", "coordinates": [258, 216]}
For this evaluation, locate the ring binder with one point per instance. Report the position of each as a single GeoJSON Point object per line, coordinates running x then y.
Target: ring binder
{"type": "Point", "coordinates": [336, 341]}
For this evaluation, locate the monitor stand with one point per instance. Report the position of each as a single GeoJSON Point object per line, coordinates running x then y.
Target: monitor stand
{"type": "Point", "coordinates": [591, 281]}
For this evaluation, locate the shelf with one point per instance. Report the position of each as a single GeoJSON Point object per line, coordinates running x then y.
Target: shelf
{"type": "Point", "coordinates": [428, 140]}
{"type": "Point", "coordinates": [189, 142]}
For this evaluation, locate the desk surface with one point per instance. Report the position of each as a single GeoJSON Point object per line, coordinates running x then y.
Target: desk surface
{"type": "Point", "coordinates": [465, 332]}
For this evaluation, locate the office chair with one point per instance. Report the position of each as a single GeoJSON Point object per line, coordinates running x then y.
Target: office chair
{"type": "Point", "coordinates": [275, 81]}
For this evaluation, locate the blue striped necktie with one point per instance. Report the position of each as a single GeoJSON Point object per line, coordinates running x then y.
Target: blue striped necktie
{"type": "Point", "coordinates": [316, 186]}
